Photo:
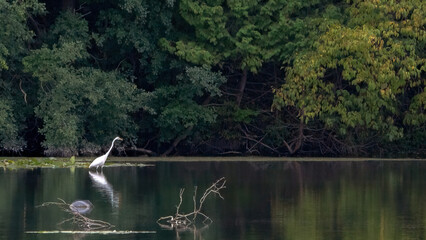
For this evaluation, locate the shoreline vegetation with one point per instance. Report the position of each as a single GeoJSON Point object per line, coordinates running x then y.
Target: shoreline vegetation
{"type": "Point", "coordinates": [332, 78]}
{"type": "Point", "coordinates": [12, 163]}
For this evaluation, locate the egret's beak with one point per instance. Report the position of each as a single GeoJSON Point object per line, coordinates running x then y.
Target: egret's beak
{"type": "Point", "coordinates": [120, 139]}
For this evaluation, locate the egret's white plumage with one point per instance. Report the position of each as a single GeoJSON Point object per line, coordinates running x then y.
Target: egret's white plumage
{"type": "Point", "coordinates": [100, 161]}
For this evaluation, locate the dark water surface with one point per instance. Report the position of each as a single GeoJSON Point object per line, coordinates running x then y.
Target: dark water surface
{"type": "Point", "coordinates": [263, 200]}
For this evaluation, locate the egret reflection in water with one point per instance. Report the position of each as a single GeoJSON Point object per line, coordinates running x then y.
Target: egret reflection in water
{"type": "Point", "coordinates": [105, 188]}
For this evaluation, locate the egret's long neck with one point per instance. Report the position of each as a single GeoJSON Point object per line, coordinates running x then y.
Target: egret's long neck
{"type": "Point", "coordinates": [112, 145]}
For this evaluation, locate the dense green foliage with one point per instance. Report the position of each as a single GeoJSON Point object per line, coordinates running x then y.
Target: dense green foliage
{"type": "Point", "coordinates": [366, 76]}
{"type": "Point", "coordinates": [201, 77]}
{"type": "Point", "coordinates": [14, 36]}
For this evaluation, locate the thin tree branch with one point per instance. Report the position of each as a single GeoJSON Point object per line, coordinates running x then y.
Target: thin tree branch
{"type": "Point", "coordinates": [189, 221]}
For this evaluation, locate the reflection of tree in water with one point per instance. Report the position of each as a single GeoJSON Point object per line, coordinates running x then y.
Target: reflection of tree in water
{"type": "Point", "coordinates": [350, 200]}
{"type": "Point", "coordinates": [105, 188]}
{"type": "Point", "coordinates": [197, 232]}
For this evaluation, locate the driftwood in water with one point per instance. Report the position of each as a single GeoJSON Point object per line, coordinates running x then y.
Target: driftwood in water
{"type": "Point", "coordinates": [77, 217]}
{"type": "Point", "coordinates": [103, 232]}
{"type": "Point", "coordinates": [183, 222]}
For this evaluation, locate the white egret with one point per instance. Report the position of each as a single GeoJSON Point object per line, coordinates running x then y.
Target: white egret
{"type": "Point", "coordinates": [100, 161]}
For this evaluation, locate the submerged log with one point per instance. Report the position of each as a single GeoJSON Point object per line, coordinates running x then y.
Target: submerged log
{"type": "Point", "coordinates": [91, 232]}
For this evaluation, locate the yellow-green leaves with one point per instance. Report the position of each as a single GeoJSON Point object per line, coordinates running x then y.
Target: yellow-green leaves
{"type": "Point", "coordinates": [194, 53]}
{"type": "Point", "coordinates": [363, 72]}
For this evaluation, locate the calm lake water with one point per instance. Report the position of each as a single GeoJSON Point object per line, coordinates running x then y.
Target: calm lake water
{"type": "Point", "coordinates": [262, 200]}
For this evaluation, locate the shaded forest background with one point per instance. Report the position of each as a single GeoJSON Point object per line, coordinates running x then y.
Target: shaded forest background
{"type": "Point", "coordinates": [214, 77]}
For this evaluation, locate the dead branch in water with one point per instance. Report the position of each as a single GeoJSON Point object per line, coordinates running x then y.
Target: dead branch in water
{"type": "Point", "coordinates": [181, 221]}
{"type": "Point", "coordinates": [77, 218]}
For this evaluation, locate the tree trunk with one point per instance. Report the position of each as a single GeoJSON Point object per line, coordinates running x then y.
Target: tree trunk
{"type": "Point", "coordinates": [177, 141]}
{"type": "Point", "coordinates": [242, 86]}
{"type": "Point", "coordinates": [184, 135]}
{"type": "Point", "coordinates": [296, 143]}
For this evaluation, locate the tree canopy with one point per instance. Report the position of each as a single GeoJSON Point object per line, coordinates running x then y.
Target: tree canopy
{"type": "Point", "coordinates": [276, 77]}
